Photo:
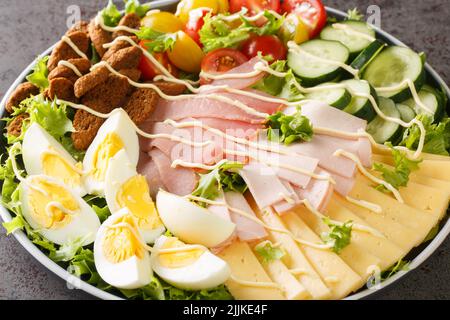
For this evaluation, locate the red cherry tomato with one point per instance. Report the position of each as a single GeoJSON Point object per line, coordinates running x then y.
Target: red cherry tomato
{"type": "Point", "coordinates": [222, 60]}
{"type": "Point", "coordinates": [149, 70]}
{"type": "Point", "coordinates": [312, 13]}
{"type": "Point", "coordinates": [267, 45]}
{"type": "Point", "coordinates": [254, 6]}
{"type": "Point", "coordinates": [195, 23]}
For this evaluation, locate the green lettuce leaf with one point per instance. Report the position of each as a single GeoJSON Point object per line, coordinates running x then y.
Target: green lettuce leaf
{"type": "Point", "coordinates": [111, 15]}
{"type": "Point", "coordinates": [355, 15]}
{"type": "Point", "coordinates": [40, 73]}
{"type": "Point", "coordinates": [268, 251]}
{"type": "Point", "coordinates": [271, 27]}
{"type": "Point", "coordinates": [401, 265]}
{"type": "Point", "coordinates": [69, 250]}
{"type": "Point", "coordinates": [17, 223]}
{"type": "Point", "coordinates": [272, 84]}
{"type": "Point", "coordinates": [134, 6]}
{"type": "Point", "coordinates": [289, 128]}
{"type": "Point", "coordinates": [399, 175]}
{"type": "Point", "coordinates": [437, 138]}
{"type": "Point", "coordinates": [160, 42]}
{"type": "Point", "coordinates": [224, 177]}
{"type": "Point", "coordinates": [339, 235]}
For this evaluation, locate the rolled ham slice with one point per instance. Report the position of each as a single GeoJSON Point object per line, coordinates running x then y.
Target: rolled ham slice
{"type": "Point", "coordinates": [246, 229]}
{"type": "Point", "coordinates": [241, 83]}
{"type": "Point", "coordinates": [180, 181]}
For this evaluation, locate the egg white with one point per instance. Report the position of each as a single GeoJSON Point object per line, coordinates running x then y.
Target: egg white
{"type": "Point", "coordinates": [83, 224]}
{"type": "Point", "coordinates": [132, 273]}
{"type": "Point", "coordinates": [120, 170]}
{"type": "Point", "coordinates": [208, 271]}
{"type": "Point", "coordinates": [192, 223]}
{"type": "Point", "coordinates": [36, 141]}
{"type": "Point", "coordinates": [121, 124]}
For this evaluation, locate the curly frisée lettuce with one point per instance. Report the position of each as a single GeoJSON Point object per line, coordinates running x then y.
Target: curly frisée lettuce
{"type": "Point", "coordinates": [269, 252]}
{"type": "Point", "coordinates": [134, 6]}
{"type": "Point", "coordinates": [160, 42]}
{"type": "Point", "coordinates": [111, 15]}
{"type": "Point", "coordinates": [39, 75]}
{"type": "Point", "coordinates": [289, 128]}
{"type": "Point", "coordinates": [339, 235]}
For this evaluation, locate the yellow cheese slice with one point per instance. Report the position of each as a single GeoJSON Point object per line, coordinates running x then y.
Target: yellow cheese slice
{"type": "Point", "coordinates": [421, 222]}
{"type": "Point", "coordinates": [245, 266]}
{"type": "Point", "coordinates": [295, 259]}
{"type": "Point", "coordinates": [381, 247]}
{"type": "Point", "coordinates": [339, 277]}
{"type": "Point", "coordinates": [279, 273]}
{"type": "Point", "coordinates": [402, 236]}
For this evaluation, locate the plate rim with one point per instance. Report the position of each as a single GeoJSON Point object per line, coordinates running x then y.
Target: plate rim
{"type": "Point", "coordinates": [77, 283]}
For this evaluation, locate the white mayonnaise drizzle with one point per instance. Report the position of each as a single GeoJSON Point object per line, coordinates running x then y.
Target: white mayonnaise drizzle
{"type": "Point", "coordinates": [71, 66]}
{"type": "Point", "coordinates": [364, 171]}
{"type": "Point", "coordinates": [351, 31]}
{"type": "Point", "coordinates": [69, 41]}
{"type": "Point", "coordinates": [365, 204]}
{"type": "Point", "coordinates": [150, 12]}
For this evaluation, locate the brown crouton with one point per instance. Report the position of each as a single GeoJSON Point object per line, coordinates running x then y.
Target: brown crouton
{"type": "Point", "coordinates": [83, 65]}
{"type": "Point", "coordinates": [86, 126]}
{"type": "Point", "coordinates": [90, 81]}
{"type": "Point", "coordinates": [127, 58]}
{"type": "Point", "coordinates": [63, 51]}
{"type": "Point", "coordinates": [170, 88]}
{"type": "Point", "coordinates": [23, 91]}
{"type": "Point", "coordinates": [99, 37]}
{"type": "Point", "coordinates": [130, 20]}
{"type": "Point", "coordinates": [141, 104]}
{"type": "Point", "coordinates": [79, 26]}
{"type": "Point", "coordinates": [133, 74]}
{"type": "Point", "coordinates": [61, 88]}
{"type": "Point", "coordinates": [15, 126]}
{"type": "Point", "coordinates": [117, 46]}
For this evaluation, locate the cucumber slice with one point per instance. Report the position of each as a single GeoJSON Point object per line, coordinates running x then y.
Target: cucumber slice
{"type": "Point", "coordinates": [350, 36]}
{"type": "Point", "coordinates": [392, 67]}
{"type": "Point", "coordinates": [406, 112]}
{"type": "Point", "coordinates": [313, 71]}
{"type": "Point", "coordinates": [382, 130]}
{"type": "Point", "coordinates": [338, 98]}
{"type": "Point", "coordinates": [367, 55]}
{"type": "Point", "coordinates": [432, 99]}
{"type": "Point", "coordinates": [361, 107]}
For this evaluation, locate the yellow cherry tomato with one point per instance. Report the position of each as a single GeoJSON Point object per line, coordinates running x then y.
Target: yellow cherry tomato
{"type": "Point", "coordinates": [294, 29]}
{"type": "Point", "coordinates": [186, 54]}
{"type": "Point", "coordinates": [185, 6]}
{"type": "Point", "coordinates": [163, 22]}
{"type": "Point", "coordinates": [224, 6]}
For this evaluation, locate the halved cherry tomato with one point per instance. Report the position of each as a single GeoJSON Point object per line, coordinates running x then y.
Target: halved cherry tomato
{"type": "Point", "coordinates": [267, 45]}
{"type": "Point", "coordinates": [185, 6]}
{"type": "Point", "coordinates": [195, 23]}
{"type": "Point", "coordinates": [163, 22]}
{"type": "Point", "coordinates": [222, 60]}
{"type": "Point", "coordinates": [186, 54]}
{"type": "Point", "coordinates": [254, 6]}
{"type": "Point", "coordinates": [293, 29]}
{"type": "Point", "coordinates": [149, 70]}
{"type": "Point", "coordinates": [312, 13]}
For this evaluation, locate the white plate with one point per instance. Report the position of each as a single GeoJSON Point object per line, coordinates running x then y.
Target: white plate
{"type": "Point", "coordinates": [77, 283]}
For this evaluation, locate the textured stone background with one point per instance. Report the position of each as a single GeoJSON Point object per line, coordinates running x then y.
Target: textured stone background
{"type": "Point", "coordinates": [30, 26]}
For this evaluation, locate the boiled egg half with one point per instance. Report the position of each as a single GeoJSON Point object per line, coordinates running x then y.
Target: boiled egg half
{"type": "Point", "coordinates": [192, 223]}
{"type": "Point", "coordinates": [42, 154]}
{"type": "Point", "coordinates": [120, 254]}
{"type": "Point", "coordinates": [124, 188]}
{"type": "Point", "coordinates": [190, 267]}
{"type": "Point", "coordinates": [57, 212]}
{"type": "Point", "coordinates": [117, 133]}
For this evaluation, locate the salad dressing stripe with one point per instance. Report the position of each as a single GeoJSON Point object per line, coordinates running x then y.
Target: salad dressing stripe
{"type": "Point", "coordinates": [351, 31]}
{"type": "Point", "coordinates": [69, 41]}
{"type": "Point", "coordinates": [365, 204]}
{"type": "Point", "coordinates": [71, 66]}
{"type": "Point", "coordinates": [366, 173]}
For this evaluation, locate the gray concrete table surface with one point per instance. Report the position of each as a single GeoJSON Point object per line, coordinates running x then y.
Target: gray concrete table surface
{"type": "Point", "coordinates": [28, 27]}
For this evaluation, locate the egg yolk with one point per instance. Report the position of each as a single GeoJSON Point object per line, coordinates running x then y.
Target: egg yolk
{"type": "Point", "coordinates": [178, 259]}
{"type": "Point", "coordinates": [135, 195]}
{"type": "Point", "coordinates": [56, 166]}
{"type": "Point", "coordinates": [105, 151]}
{"type": "Point", "coordinates": [41, 194]}
{"type": "Point", "coordinates": [121, 242]}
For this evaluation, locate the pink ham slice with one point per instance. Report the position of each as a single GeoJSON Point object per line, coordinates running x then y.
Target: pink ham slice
{"type": "Point", "coordinates": [199, 107]}
{"type": "Point", "coordinates": [343, 185]}
{"type": "Point", "coordinates": [180, 181]}
{"type": "Point", "coordinates": [284, 206]}
{"type": "Point", "coordinates": [318, 192]}
{"type": "Point", "coordinates": [241, 83]}
{"type": "Point", "coordinates": [246, 229]}
{"type": "Point", "coordinates": [263, 183]}
{"type": "Point", "coordinates": [147, 168]}
{"type": "Point", "coordinates": [233, 128]}
{"type": "Point", "coordinates": [322, 115]}
{"type": "Point", "coordinates": [218, 210]}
